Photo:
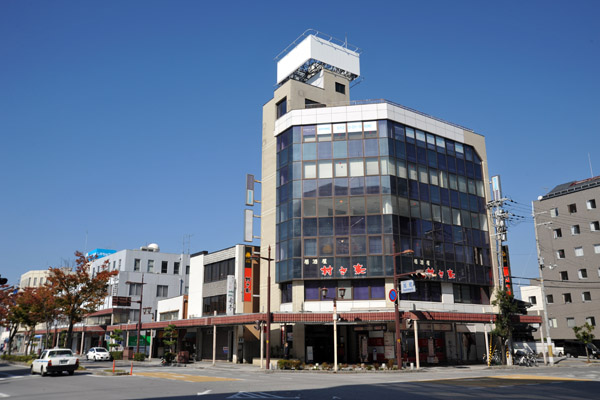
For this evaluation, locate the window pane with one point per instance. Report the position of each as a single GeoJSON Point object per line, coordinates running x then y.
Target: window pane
{"type": "Point", "coordinates": [357, 167]}
{"type": "Point", "coordinates": [310, 170]}
{"type": "Point", "coordinates": [341, 168]}
{"type": "Point", "coordinates": [325, 169]}
{"type": "Point", "coordinates": [372, 165]}
{"type": "Point", "coordinates": [340, 150]}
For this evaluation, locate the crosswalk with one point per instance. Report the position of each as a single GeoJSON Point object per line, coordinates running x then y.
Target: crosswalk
{"type": "Point", "coordinates": [258, 395]}
{"type": "Point", "coordinates": [182, 377]}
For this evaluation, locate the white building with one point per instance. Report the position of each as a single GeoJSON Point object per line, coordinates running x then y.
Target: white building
{"type": "Point", "coordinates": [163, 275]}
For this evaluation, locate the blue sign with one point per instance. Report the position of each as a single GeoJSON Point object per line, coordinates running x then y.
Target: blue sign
{"type": "Point", "coordinates": [408, 286]}
{"type": "Point", "coordinates": [99, 253]}
{"type": "Point", "coordinates": [393, 295]}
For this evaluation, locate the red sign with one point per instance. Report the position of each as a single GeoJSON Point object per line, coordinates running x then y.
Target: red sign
{"type": "Point", "coordinates": [247, 284]}
{"type": "Point", "coordinates": [327, 270]}
{"type": "Point", "coordinates": [359, 269]}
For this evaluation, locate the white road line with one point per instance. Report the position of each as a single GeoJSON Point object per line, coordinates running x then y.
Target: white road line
{"type": "Point", "coordinates": [4, 395]}
{"type": "Point", "coordinates": [205, 392]}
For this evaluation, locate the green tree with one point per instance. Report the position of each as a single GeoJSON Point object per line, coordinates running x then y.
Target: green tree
{"type": "Point", "coordinates": [117, 338]}
{"type": "Point", "coordinates": [507, 310]}
{"type": "Point", "coordinates": [170, 339]}
{"type": "Point", "coordinates": [584, 335]}
{"type": "Point", "coordinates": [77, 292]}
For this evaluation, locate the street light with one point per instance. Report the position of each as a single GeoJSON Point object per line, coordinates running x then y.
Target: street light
{"type": "Point", "coordinates": [268, 259]}
{"type": "Point", "coordinates": [396, 307]}
{"type": "Point", "coordinates": [342, 292]}
{"type": "Point", "coordinates": [139, 324]}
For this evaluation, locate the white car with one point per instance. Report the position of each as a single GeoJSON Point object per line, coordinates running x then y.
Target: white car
{"type": "Point", "coordinates": [55, 360]}
{"type": "Point", "coordinates": [98, 353]}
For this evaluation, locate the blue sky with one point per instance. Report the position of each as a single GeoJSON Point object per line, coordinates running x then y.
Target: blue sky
{"type": "Point", "coordinates": [125, 123]}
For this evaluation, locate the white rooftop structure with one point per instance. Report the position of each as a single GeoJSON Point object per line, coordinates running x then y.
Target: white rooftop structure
{"type": "Point", "coordinates": [313, 51]}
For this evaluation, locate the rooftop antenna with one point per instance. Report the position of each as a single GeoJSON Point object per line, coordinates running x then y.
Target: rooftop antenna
{"type": "Point", "coordinates": [590, 161]}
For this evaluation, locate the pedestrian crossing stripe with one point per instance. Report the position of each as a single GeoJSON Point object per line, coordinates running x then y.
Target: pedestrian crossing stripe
{"type": "Point", "coordinates": [183, 377]}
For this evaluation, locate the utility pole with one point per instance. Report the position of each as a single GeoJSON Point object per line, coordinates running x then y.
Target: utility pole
{"type": "Point", "coordinates": [500, 217]}
{"type": "Point", "coordinates": [541, 265]}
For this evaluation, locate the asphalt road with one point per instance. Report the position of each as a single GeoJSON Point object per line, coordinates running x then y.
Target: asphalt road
{"type": "Point", "coordinates": [567, 380]}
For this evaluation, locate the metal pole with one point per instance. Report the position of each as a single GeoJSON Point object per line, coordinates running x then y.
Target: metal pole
{"type": "Point", "coordinates": [139, 325]}
{"type": "Point", "coordinates": [537, 244]}
{"type": "Point", "coordinates": [542, 338]}
{"type": "Point", "coordinates": [262, 345]}
{"type": "Point", "coordinates": [418, 359]}
{"type": "Point", "coordinates": [335, 355]}
{"type": "Point", "coordinates": [487, 343]}
{"type": "Point", "coordinates": [269, 309]}
{"type": "Point", "coordinates": [214, 342]}
{"type": "Point", "coordinates": [397, 313]}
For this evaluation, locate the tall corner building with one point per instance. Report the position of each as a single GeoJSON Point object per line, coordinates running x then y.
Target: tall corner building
{"type": "Point", "coordinates": [345, 185]}
{"type": "Point", "coordinates": [568, 232]}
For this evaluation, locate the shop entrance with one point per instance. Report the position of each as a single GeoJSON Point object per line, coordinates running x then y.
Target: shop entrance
{"type": "Point", "coordinates": [319, 343]}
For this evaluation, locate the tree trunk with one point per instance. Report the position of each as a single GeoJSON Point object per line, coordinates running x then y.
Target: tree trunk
{"type": "Point", "coordinates": [69, 338]}
{"type": "Point", "coordinates": [11, 336]}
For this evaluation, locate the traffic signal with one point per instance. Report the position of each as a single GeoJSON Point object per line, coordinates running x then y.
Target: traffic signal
{"type": "Point", "coordinates": [3, 281]}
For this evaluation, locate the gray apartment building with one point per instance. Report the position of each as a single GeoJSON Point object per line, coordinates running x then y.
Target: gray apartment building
{"type": "Point", "coordinates": [568, 231]}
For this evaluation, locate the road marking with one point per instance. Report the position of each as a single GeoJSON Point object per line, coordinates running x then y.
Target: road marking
{"type": "Point", "coordinates": [539, 378]}
{"type": "Point", "coordinates": [183, 377]}
{"type": "Point", "coordinates": [4, 395]}
{"type": "Point", "coordinates": [258, 395]}
{"type": "Point", "coordinates": [205, 392]}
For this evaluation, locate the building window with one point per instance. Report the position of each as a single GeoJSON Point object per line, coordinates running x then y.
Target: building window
{"type": "Point", "coordinates": [340, 88]}
{"type": "Point", "coordinates": [560, 253]}
{"type": "Point", "coordinates": [597, 248]}
{"type": "Point", "coordinates": [572, 208]}
{"type": "Point", "coordinates": [579, 251]}
{"type": "Point", "coordinates": [135, 289]}
{"type": "Point", "coordinates": [136, 264]}
{"type": "Point", "coordinates": [594, 226]}
{"type": "Point", "coordinates": [583, 273]}
{"type": "Point", "coordinates": [214, 303]}
{"type": "Point", "coordinates": [586, 296]}
{"type": "Point", "coordinates": [575, 230]}
{"type": "Point", "coordinates": [187, 269]}
{"type": "Point", "coordinates": [119, 264]}
{"type": "Point", "coordinates": [552, 322]}
{"type": "Point", "coordinates": [219, 271]}
{"type": "Point", "coordinates": [286, 293]}
{"type": "Point", "coordinates": [164, 268]}
{"type": "Point", "coordinates": [591, 321]}
{"type": "Point", "coordinates": [176, 268]}
{"type": "Point", "coordinates": [162, 291]}
{"type": "Point", "coordinates": [557, 233]}
{"type": "Point", "coordinates": [549, 299]}
{"type": "Point", "coordinates": [567, 298]}
{"type": "Point", "coordinates": [570, 322]}
{"type": "Point", "coordinates": [532, 300]}
{"type": "Point", "coordinates": [134, 315]}
{"type": "Point", "coordinates": [150, 266]}
{"type": "Point", "coordinates": [591, 204]}
{"type": "Point", "coordinates": [554, 212]}
{"type": "Point", "coordinates": [564, 276]}
{"type": "Point", "coordinates": [114, 265]}
{"type": "Point", "coordinates": [34, 281]}
{"type": "Point", "coordinates": [281, 107]}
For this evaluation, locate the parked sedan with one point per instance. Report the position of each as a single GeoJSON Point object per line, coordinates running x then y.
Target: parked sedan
{"type": "Point", "coordinates": [98, 353]}
{"type": "Point", "coordinates": [55, 360]}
